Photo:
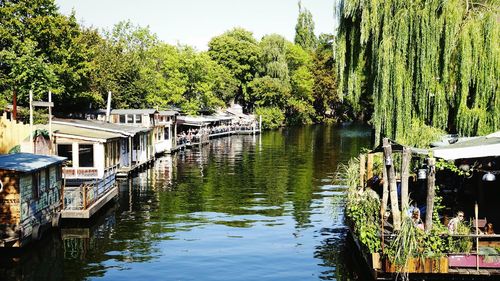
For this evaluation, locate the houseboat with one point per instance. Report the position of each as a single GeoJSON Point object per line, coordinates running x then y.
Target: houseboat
{"type": "Point", "coordinates": [161, 123]}
{"type": "Point", "coordinates": [30, 189]}
{"type": "Point", "coordinates": [90, 174]}
{"type": "Point", "coordinates": [135, 150]}
{"type": "Point", "coordinates": [401, 224]}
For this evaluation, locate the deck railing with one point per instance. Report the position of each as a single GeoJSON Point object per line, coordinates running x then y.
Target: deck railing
{"type": "Point", "coordinates": [72, 173]}
{"type": "Point", "coordinates": [83, 196]}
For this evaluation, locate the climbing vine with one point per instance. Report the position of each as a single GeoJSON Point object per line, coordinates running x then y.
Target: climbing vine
{"type": "Point", "coordinates": [432, 61]}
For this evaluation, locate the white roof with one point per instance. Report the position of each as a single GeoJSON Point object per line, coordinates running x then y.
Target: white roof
{"type": "Point", "coordinates": [487, 146]}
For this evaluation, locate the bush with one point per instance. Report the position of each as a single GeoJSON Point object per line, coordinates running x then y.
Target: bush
{"type": "Point", "coordinates": [272, 117]}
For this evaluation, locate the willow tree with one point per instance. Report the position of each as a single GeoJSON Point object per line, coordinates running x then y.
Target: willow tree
{"type": "Point", "coordinates": [433, 61]}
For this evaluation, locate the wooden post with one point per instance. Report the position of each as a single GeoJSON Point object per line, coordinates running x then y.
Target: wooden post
{"type": "Point", "coordinates": [385, 189]}
{"type": "Point", "coordinates": [362, 164]}
{"type": "Point", "coordinates": [393, 192]}
{"type": "Point", "coordinates": [476, 216]}
{"type": "Point", "coordinates": [431, 181]}
{"type": "Point", "coordinates": [31, 123]}
{"type": "Point", "coordinates": [405, 167]}
{"type": "Point", "coordinates": [369, 169]}
{"type": "Point", "coordinates": [50, 125]}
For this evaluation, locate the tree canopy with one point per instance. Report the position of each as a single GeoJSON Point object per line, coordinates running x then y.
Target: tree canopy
{"type": "Point", "coordinates": [431, 61]}
{"type": "Point", "coordinates": [43, 50]}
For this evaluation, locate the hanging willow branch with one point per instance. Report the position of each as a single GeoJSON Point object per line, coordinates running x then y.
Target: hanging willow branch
{"type": "Point", "coordinates": [435, 61]}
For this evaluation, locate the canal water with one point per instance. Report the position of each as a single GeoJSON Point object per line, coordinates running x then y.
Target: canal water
{"type": "Point", "coordinates": [259, 207]}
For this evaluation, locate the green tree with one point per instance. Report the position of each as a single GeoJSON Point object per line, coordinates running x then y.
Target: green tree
{"type": "Point", "coordinates": [300, 108]}
{"type": "Point", "coordinates": [42, 50]}
{"type": "Point", "coordinates": [431, 61]}
{"type": "Point", "coordinates": [119, 59]}
{"type": "Point", "coordinates": [327, 103]}
{"type": "Point", "coordinates": [206, 81]}
{"type": "Point", "coordinates": [238, 51]}
{"type": "Point", "coordinates": [304, 30]}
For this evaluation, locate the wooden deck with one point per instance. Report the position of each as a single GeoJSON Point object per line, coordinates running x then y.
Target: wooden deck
{"type": "Point", "coordinates": [92, 209]}
{"type": "Point", "coordinates": [454, 273]}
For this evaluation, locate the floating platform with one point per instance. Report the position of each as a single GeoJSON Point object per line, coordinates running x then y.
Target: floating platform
{"type": "Point", "coordinates": [93, 208]}
{"type": "Point", "coordinates": [437, 269]}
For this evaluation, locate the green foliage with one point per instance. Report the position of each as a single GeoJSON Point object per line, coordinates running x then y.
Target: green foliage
{"type": "Point", "coordinates": [304, 30]}
{"type": "Point", "coordinates": [405, 245]}
{"type": "Point", "coordinates": [442, 164]}
{"type": "Point", "coordinates": [41, 50]}
{"type": "Point", "coordinates": [238, 51]}
{"type": "Point", "coordinates": [461, 244]}
{"type": "Point", "coordinates": [435, 61]}
{"type": "Point", "coordinates": [418, 134]}
{"type": "Point", "coordinates": [327, 103]}
{"type": "Point", "coordinates": [362, 207]}
{"type": "Point", "coordinates": [272, 117]}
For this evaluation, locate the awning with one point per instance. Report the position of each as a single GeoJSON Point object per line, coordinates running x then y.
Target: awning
{"type": "Point", "coordinates": [488, 146]}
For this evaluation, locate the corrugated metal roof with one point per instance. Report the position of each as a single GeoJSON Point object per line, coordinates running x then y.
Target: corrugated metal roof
{"type": "Point", "coordinates": [27, 162]}
{"type": "Point", "coordinates": [84, 132]}
{"type": "Point", "coordinates": [102, 126]}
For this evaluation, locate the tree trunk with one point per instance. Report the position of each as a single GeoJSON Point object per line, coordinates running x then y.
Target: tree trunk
{"type": "Point", "coordinates": [393, 192]}
{"type": "Point", "coordinates": [404, 179]}
{"type": "Point", "coordinates": [431, 180]}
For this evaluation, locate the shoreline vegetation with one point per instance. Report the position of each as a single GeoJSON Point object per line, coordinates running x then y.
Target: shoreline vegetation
{"type": "Point", "coordinates": [395, 65]}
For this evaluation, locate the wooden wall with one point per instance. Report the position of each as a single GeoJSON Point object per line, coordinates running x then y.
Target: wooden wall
{"type": "Point", "coordinates": [12, 133]}
{"type": "Point", "coordinates": [9, 199]}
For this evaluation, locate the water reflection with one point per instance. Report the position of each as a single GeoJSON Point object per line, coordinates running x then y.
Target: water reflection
{"type": "Point", "coordinates": [242, 208]}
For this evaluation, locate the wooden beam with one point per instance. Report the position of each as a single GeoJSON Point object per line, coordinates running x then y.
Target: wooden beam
{"type": "Point", "coordinates": [389, 163]}
{"type": "Point", "coordinates": [431, 182]}
{"type": "Point", "coordinates": [405, 167]}
{"type": "Point", "coordinates": [369, 168]}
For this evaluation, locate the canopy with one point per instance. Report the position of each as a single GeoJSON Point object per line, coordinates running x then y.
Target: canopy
{"type": "Point", "coordinates": [480, 147]}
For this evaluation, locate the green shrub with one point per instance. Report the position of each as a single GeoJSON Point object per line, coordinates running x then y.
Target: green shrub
{"type": "Point", "coordinates": [272, 117]}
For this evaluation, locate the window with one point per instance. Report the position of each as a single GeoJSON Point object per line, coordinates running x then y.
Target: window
{"type": "Point", "coordinates": [65, 150]}
{"type": "Point", "coordinates": [130, 119]}
{"type": "Point", "coordinates": [86, 155]}
{"type": "Point", "coordinates": [138, 119]}
{"type": "Point", "coordinates": [166, 133]}
{"type": "Point", "coordinates": [122, 118]}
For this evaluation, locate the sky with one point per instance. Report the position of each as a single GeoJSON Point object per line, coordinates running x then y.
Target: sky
{"type": "Point", "coordinates": [195, 22]}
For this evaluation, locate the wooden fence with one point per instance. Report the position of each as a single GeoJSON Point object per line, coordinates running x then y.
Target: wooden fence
{"type": "Point", "coordinates": [12, 134]}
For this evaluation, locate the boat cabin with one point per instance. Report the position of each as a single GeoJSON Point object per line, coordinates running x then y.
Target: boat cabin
{"type": "Point", "coordinates": [30, 189]}
{"type": "Point", "coordinates": [90, 174]}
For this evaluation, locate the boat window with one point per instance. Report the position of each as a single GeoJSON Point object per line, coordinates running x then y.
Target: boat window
{"type": "Point", "coordinates": [138, 118]}
{"type": "Point", "coordinates": [130, 119]}
{"type": "Point", "coordinates": [122, 118]}
{"type": "Point", "coordinates": [65, 150]}
{"type": "Point", "coordinates": [86, 155]}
